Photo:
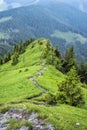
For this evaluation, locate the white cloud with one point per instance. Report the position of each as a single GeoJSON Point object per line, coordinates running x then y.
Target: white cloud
{"type": "Point", "coordinates": [3, 5]}
{"type": "Point", "coordinates": [81, 7]}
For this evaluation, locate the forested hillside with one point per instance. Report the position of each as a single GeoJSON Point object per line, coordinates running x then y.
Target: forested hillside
{"type": "Point", "coordinates": [45, 21]}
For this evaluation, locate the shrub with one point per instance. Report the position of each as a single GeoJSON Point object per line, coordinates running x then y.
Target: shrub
{"type": "Point", "coordinates": [26, 70]}
{"type": "Point", "coordinates": [20, 71]}
{"type": "Point", "coordinates": [69, 90]}
{"type": "Point", "coordinates": [50, 98]}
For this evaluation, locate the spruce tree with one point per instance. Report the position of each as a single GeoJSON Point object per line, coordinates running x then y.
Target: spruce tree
{"type": "Point", "coordinates": [69, 91]}
{"type": "Point", "coordinates": [69, 60]}
{"type": "Point", "coordinates": [1, 61]}
{"type": "Point", "coordinates": [15, 59]}
{"type": "Point", "coordinates": [83, 72]}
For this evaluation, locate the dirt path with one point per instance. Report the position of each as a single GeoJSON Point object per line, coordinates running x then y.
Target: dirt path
{"type": "Point", "coordinates": [39, 74]}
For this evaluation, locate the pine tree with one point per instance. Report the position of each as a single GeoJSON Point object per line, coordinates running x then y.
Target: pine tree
{"type": "Point", "coordinates": [15, 59]}
{"type": "Point", "coordinates": [69, 91]}
{"type": "Point", "coordinates": [57, 52]}
{"type": "Point", "coordinates": [70, 60]}
{"type": "Point", "coordinates": [1, 61]}
{"type": "Point", "coordinates": [6, 58]}
{"type": "Point", "coordinates": [83, 72]}
{"type": "Point", "coordinates": [16, 48]}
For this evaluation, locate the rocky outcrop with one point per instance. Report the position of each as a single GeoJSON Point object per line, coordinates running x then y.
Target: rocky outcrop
{"type": "Point", "coordinates": [20, 115]}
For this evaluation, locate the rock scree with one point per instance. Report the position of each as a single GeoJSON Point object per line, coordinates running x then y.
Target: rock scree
{"type": "Point", "coordinates": [20, 115]}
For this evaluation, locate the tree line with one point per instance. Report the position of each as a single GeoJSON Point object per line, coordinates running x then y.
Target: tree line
{"type": "Point", "coordinates": [63, 62]}
{"type": "Point", "coordinates": [17, 50]}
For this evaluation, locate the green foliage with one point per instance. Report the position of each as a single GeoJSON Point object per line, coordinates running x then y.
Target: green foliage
{"type": "Point", "coordinates": [52, 56]}
{"type": "Point", "coordinates": [1, 61]}
{"type": "Point", "coordinates": [19, 48]}
{"type": "Point", "coordinates": [7, 58]}
{"type": "Point", "coordinates": [20, 71]}
{"type": "Point", "coordinates": [26, 69]}
{"type": "Point", "coordinates": [16, 90]}
{"type": "Point", "coordinates": [69, 91]}
{"type": "Point", "coordinates": [16, 124]}
{"type": "Point", "coordinates": [57, 52]}
{"type": "Point", "coordinates": [50, 98]}
{"type": "Point", "coordinates": [69, 60]}
{"type": "Point", "coordinates": [15, 59]}
{"type": "Point", "coordinates": [83, 72]}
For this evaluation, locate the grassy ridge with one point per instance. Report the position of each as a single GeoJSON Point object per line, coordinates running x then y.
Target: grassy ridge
{"type": "Point", "coordinates": [50, 79]}
{"type": "Point", "coordinates": [16, 89]}
{"type": "Point", "coordinates": [14, 80]}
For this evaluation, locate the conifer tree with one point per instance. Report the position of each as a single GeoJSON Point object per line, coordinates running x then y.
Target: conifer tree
{"type": "Point", "coordinates": [69, 91]}
{"type": "Point", "coordinates": [6, 58]}
{"type": "Point", "coordinates": [57, 52]}
{"type": "Point", "coordinates": [70, 60]}
{"type": "Point", "coordinates": [83, 72]}
{"type": "Point", "coordinates": [1, 61]}
{"type": "Point", "coordinates": [15, 59]}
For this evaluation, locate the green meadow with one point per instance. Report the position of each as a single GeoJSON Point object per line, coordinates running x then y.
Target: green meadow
{"type": "Point", "coordinates": [17, 90]}
{"type": "Point", "coordinates": [69, 36]}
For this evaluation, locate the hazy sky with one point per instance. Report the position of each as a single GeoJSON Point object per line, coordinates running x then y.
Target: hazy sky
{"type": "Point", "coordinates": [5, 4]}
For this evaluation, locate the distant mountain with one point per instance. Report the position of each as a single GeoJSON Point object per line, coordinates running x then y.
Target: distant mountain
{"type": "Point", "coordinates": [79, 4]}
{"type": "Point", "coordinates": [59, 22]}
{"type": "Point", "coordinates": [10, 4]}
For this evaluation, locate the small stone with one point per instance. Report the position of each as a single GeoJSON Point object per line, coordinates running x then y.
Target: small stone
{"type": "Point", "coordinates": [1, 115]}
{"type": "Point", "coordinates": [77, 124]}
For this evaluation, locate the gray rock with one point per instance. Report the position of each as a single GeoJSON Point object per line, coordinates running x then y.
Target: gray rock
{"type": "Point", "coordinates": [24, 128]}
{"type": "Point", "coordinates": [38, 124]}
{"type": "Point", "coordinates": [33, 116]}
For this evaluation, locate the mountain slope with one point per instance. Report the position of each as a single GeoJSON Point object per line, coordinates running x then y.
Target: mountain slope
{"type": "Point", "coordinates": [25, 85]}
{"type": "Point", "coordinates": [42, 21]}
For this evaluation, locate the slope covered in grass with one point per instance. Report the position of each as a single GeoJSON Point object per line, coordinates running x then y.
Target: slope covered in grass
{"type": "Point", "coordinates": [14, 80]}
{"type": "Point", "coordinates": [70, 37]}
{"type": "Point", "coordinates": [27, 83]}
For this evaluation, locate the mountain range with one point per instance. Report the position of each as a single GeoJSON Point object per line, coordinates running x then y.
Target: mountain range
{"type": "Point", "coordinates": [8, 4]}
{"type": "Point", "coordinates": [63, 24]}
{"type": "Point", "coordinates": [43, 80]}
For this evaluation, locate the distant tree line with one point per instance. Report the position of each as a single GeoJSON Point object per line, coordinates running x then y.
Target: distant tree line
{"type": "Point", "coordinates": [68, 61]}
{"type": "Point", "coordinates": [17, 50]}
